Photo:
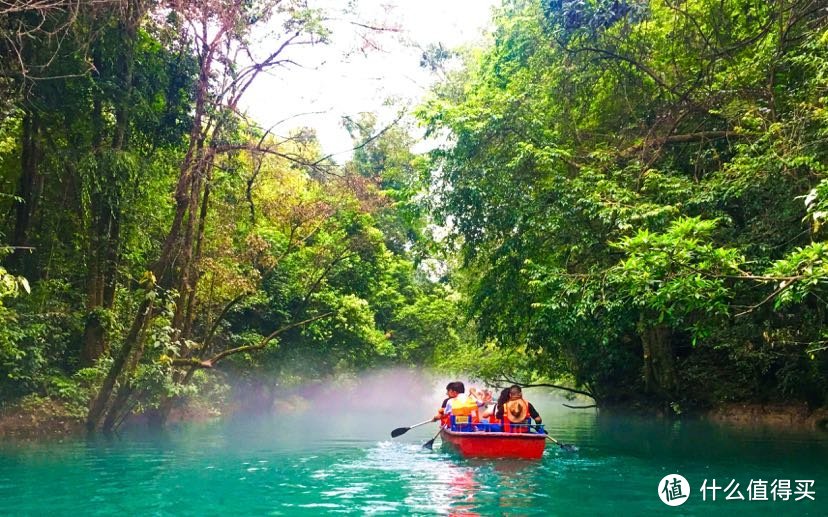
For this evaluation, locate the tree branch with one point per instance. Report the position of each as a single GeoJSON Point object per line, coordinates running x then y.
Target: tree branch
{"type": "Point", "coordinates": [210, 363]}
{"type": "Point", "coordinates": [366, 142]}
{"type": "Point", "coordinates": [681, 139]}
{"type": "Point", "coordinates": [548, 385]}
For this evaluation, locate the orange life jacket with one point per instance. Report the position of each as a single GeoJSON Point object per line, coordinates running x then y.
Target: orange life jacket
{"type": "Point", "coordinates": [444, 418]}
{"type": "Point", "coordinates": [515, 411]}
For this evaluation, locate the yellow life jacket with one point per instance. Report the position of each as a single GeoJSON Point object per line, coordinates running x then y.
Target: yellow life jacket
{"type": "Point", "coordinates": [516, 410]}
{"type": "Point", "coordinates": [463, 407]}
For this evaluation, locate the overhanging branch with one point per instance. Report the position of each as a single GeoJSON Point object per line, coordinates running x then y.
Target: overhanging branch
{"type": "Point", "coordinates": [548, 385]}
{"type": "Point", "coordinates": [210, 363]}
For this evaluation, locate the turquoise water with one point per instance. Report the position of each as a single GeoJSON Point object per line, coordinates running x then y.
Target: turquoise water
{"type": "Point", "coordinates": [294, 465]}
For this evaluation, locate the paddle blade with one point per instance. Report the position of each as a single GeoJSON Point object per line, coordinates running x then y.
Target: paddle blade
{"type": "Point", "coordinates": [568, 447]}
{"type": "Point", "coordinates": [429, 444]}
{"type": "Point", "coordinates": [398, 431]}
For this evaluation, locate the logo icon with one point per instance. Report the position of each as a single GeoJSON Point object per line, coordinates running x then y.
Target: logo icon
{"type": "Point", "coordinates": [673, 490]}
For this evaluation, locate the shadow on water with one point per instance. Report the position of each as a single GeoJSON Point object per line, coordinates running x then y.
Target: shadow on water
{"type": "Point", "coordinates": [698, 440]}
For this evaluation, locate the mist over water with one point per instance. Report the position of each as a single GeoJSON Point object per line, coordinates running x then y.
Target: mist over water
{"type": "Point", "coordinates": [390, 399]}
{"type": "Point", "coordinates": [326, 449]}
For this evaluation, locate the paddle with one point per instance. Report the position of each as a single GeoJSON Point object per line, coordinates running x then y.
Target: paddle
{"type": "Point", "coordinates": [402, 430]}
{"type": "Point", "coordinates": [568, 447]}
{"type": "Point", "coordinates": [429, 444]}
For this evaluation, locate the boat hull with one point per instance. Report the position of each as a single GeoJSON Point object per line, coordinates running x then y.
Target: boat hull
{"type": "Point", "coordinates": [495, 445]}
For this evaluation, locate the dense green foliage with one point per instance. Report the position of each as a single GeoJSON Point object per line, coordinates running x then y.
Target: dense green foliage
{"type": "Point", "coordinates": [165, 236]}
{"type": "Point", "coordinates": [634, 192]}
{"type": "Point", "coordinates": [637, 189]}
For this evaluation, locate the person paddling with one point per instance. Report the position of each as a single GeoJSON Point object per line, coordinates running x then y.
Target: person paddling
{"type": "Point", "coordinates": [460, 405]}
{"type": "Point", "coordinates": [516, 410]}
{"type": "Point", "coordinates": [453, 390]}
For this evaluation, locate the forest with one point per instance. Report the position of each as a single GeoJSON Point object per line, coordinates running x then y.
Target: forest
{"type": "Point", "coordinates": [627, 202]}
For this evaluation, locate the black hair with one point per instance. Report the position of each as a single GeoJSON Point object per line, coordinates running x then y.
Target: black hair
{"type": "Point", "coordinates": [503, 398]}
{"type": "Point", "coordinates": [456, 386]}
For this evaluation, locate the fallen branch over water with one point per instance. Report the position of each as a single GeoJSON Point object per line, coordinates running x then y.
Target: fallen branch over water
{"type": "Point", "coordinates": [581, 407]}
{"type": "Point", "coordinates": [547, 385]}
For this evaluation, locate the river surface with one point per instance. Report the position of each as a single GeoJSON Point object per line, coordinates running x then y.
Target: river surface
{"type": "Point", "coordinates": [308, 465]}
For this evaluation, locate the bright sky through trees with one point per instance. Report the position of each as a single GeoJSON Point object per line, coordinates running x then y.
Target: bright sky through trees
{"type": "Point", "coordinates": [349, 76]}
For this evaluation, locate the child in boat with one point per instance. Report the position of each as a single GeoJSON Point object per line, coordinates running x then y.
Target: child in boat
{"type": "Point", "coordinates": [485, 396]}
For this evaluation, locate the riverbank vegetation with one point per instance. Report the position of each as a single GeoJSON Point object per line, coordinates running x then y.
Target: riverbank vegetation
{"type": "Point", "coordinates": [638, 193]}
{"type": "Point", "coordinates": [633, 192]}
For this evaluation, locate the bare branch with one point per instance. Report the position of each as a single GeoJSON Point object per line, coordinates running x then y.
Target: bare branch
{"type": "Point", "coordinates": [366, 142]}
{"type": "Point", "coordinates": [770, 297]}
{"type": "Point", "coordinates": [378, 28]}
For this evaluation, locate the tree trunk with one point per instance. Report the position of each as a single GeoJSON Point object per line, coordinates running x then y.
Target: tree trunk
{"type": "Point", "coordinates": [105, 227]}
{"type": "Point", "coordinates": [183, 188]}
{"type": "Point", "coordinates": [93, 339]}
{"type": "Point", "coordinates": [28, 192]}
{"type": "Point", "coordinates": [119, 408]}
{"type": "Point", "coordinates": [189, 314]}
{"type": "Point", "coordinates": [164, 271]}
{"type": "Point", "coordinates": [659, 360]}
{"type": "Point", "coordinates": [94, 336]}
{"type": "Point", "coordinates": [187, 301]}
{"type": "Point", "coordinates": [101, 401]}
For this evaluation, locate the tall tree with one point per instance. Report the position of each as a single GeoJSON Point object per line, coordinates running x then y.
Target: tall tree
{"type": "Point", "coordinates": [219, 35]}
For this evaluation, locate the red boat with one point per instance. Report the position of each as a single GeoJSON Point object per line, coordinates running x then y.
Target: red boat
{"type": "Point", "coordinates": [485, 444]}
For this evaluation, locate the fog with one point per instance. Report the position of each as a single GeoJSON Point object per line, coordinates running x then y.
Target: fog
{"type": "Point", "coordinates": [367, 407]}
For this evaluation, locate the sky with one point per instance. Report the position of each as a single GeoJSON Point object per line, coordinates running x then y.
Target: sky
{"type": "Point", "coordinates": [337, 80]}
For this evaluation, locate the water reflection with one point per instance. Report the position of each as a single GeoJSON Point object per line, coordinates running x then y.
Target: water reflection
{"type": "Point", "coordinates": [507, 487]}
{"type": "Point", "coordinates": [462, 491]}
{"type": "Point", "coordinates": [516, 494]}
